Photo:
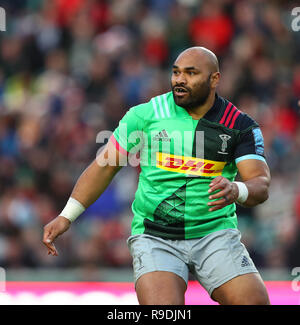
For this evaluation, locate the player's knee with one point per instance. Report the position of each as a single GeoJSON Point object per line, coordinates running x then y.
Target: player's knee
{"type": "Point", "coordinates": [255, 300]}
{"type": "Point", "coordinates": [160, 288]}
{"type": "Point", "coordinates": [252, 297]}
{"type": "Point", "coordinates": [260, 298]}
{"type": "Point", "coordinates": [165, 301]}
{"type": "Point", "coordinates": [160, 299]}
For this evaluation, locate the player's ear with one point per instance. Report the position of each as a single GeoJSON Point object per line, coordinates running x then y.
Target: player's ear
{"type": "Point", "coordinates": [214, 79]}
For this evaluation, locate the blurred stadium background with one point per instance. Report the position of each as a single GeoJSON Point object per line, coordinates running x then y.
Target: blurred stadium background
{"type": "Point", "coordinates": [71, 68]}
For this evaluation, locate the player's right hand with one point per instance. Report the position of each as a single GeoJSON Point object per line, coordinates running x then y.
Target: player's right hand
{"type": "Point", "coordinates": [52, 230]}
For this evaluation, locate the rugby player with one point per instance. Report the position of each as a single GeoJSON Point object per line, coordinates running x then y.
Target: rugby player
{"type": "Point", "coordinates": [192, 144]}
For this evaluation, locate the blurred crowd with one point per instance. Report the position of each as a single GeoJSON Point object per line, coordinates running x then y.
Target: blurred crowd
{"type": "Point", "coordinates": [71, 68]}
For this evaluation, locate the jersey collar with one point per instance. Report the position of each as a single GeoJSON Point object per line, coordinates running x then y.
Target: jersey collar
{"type": "Point", "coordinates": [213, 113]}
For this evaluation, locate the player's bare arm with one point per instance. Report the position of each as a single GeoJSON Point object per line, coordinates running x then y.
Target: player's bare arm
{"type": "Point", "coordinates": [90, 185]}
{"type": "Point", "coordinates": [95, 179]}
{"type": "Point", "coordinates": [255, 175]}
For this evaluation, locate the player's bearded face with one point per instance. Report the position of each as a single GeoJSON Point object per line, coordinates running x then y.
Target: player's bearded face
{"type": "Point", "coordinates": [190, 96]}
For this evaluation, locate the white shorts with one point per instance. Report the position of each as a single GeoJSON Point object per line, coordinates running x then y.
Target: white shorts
{"type": "Point", "coordinates": [213, 259]}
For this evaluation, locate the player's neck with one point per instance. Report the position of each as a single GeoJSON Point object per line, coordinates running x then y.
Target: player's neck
{"type": "Point", "coordinates": [198, 112]}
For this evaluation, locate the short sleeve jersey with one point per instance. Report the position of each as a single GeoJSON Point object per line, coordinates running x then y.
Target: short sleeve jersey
{"type": "Point", "coordinates": [179, 157]}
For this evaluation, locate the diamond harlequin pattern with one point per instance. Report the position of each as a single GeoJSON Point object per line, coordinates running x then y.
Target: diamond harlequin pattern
{"type": "Point", "coordinates": [171, 210]}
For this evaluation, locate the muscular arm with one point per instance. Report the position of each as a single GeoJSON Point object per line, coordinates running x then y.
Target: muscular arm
{"type": "Point", "coordinates": [90, 185]}
{"type": "Point", "coordinates": [95, 179]}
{"type": "Point", "coordinates": [254, 173]}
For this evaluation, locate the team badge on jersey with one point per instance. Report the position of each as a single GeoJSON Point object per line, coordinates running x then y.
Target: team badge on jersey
{"type": "Point", "coordinates": [225, 138]}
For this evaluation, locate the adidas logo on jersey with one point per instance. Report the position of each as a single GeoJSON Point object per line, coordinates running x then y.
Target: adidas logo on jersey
{"type": "Point", "coordinates": [162, 136]}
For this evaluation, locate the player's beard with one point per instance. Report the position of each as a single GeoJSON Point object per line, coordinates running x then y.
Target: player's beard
{"type": "Point", "coordinates": [195, 97]}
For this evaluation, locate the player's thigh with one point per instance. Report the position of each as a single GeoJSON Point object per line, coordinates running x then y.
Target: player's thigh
{"type": "Point", "coordinates": [160, 269]}
{"type": "Point", "coordinates": [160, 288]}
{"type": "Point", "coordinates": [246, 289]}
{"type": "Point", "coordinates": [220, 257]}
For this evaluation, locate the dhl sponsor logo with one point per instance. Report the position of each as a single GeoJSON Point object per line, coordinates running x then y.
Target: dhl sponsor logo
{"type": "Point", "coordinates": [189, 165]}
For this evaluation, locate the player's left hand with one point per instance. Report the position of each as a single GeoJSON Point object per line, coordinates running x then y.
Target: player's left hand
{"type": "Point", "coordinates": [228, 193]}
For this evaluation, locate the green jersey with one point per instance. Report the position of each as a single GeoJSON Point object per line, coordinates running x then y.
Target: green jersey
{"type": "Point", "coordinates": [179, 157]}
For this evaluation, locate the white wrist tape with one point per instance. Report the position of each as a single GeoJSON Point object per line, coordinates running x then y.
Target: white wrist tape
{"type": "Point", "coordinates": [72, 210]}
{"type": "Point", "coordinates": [243, 192]}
